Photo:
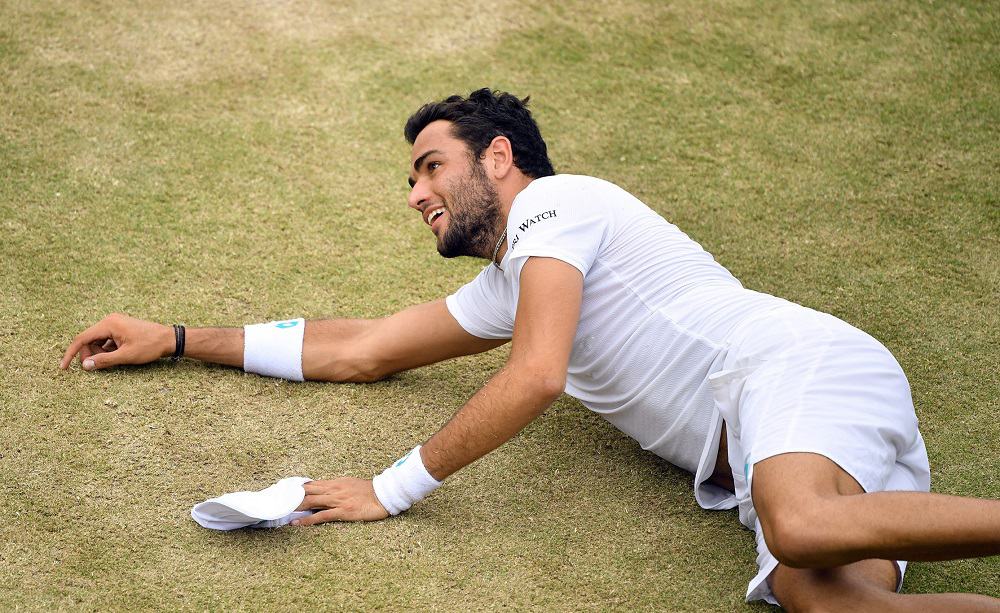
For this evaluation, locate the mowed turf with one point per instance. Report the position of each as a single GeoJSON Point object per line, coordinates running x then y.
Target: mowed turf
{"type": "Point", "coordinates": [219, 163]}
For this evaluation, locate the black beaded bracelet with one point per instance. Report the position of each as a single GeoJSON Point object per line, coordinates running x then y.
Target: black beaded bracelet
{"type": "Point", "coordinates": [179, 342]}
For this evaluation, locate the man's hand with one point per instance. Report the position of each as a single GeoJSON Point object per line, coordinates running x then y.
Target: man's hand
{"type": "Point", "coordinates": [344, 499]}
{"type": "Point", "coordinates": [120, 339]}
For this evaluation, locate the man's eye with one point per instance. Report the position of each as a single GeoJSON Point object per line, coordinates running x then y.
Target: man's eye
{"type": "Point", "coordinates": [432, 166]}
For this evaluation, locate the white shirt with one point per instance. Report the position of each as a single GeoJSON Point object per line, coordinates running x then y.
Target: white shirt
{"type": "Point", "coordinates": [656, 313]}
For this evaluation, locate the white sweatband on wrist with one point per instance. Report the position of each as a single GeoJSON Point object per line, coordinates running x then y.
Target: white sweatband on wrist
{"type": "Point", "coordinates": [274, 349]}
{"type": "Point", "coordinates": [404, 483]}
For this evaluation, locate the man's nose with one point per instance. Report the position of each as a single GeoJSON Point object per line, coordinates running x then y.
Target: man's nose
{"type": "Point", "coordinates": [418, 195]}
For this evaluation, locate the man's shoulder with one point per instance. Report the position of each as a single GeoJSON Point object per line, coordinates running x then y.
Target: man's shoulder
{"type": "Point", "coordinates": [576, 191]}
{"type": "Point", "coordinates": [568, 217]}
{"type": "Point", "coordinates": [567, 183]}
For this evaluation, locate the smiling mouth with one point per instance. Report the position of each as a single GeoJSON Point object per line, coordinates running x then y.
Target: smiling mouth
{"type": "Point", "coordinates": [433, 216]}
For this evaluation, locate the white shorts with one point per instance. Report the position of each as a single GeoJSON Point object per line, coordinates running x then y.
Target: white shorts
{"type": "Point", "coordinates": [797, 380]}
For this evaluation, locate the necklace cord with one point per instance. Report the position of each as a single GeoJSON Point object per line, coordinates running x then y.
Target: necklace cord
{"type": "Point", "coordinates": [496, 249]}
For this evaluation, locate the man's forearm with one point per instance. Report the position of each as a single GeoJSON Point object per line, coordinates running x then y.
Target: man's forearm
{"type": "Point", "coordinates": [334, 350]}
{"type": "Point", "coordinates": [509, 401]}
{"type": "Point", "coordinates": [329, 348]}
{"type": "Point", "coordinates": [216, 345]}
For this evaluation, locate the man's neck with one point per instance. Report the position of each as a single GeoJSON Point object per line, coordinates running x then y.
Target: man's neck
{"type": "Point", "coordinates": [508, 192]}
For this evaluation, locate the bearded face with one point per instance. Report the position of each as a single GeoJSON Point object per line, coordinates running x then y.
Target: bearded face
{"type": "Point", "coordinates": [474, 211]}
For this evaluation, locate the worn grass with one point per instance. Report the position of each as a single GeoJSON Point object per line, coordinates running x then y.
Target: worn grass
{"type": "Point", "coordinates": [215, 163]}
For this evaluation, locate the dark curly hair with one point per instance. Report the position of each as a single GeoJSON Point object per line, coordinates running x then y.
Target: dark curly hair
{"type": "Point", "coordinates": [483, 116]}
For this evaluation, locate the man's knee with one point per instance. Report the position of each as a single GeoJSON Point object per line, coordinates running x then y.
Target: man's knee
{"type": "Point", "coordinates": [797, 535]}
{"type": "Point", "coordinates": [796, 497]}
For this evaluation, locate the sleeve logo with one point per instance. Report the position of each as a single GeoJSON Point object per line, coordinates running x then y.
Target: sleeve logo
{"type": "Point", "coordinates": [527, 223]}
{"type": "Point", "coordinates": [287, 324]}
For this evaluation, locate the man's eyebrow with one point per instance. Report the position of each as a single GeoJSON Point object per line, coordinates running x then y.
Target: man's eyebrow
{"type": "Point", "coordinates": [417, 163]}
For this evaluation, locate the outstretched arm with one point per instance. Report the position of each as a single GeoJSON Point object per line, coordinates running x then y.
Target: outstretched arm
{"type": "Point", "coordinates": [332, 350]}
{"type": "Point", "coordinates": [548, 311]}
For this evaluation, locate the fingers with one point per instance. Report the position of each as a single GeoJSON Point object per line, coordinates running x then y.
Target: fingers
{"type": "Point", "coordinates": [85, 352]}
{"type": "Point", "coordinates": [320, 518]}
{"type": "Point", "coordinates": [321, 494]}
{"type": "Point", "coordinates": [325, 495]}
{"type": "Point", "coordinates": [316, 501]}
{"type": "Point", "coordinates": [78, 343]}
{"type": "Point", "coordinates": [100, 331]}
{"type": "Point", "coordinates": [107, 359]}
{"type": "Point", "coordinates": [318, 487]}
{"type": "Point", "coordinates": [92, 349]}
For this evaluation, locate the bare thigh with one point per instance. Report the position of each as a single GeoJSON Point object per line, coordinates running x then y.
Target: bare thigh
{"type": "Point", "coordinates": [868, 585]}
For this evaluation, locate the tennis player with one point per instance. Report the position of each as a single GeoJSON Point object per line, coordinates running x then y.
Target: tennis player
{"type": "Point", "coordinates": [801, 421]}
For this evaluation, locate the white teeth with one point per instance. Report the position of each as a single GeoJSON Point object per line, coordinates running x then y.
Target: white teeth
{"type": "Point", "coordinates": [434, 215]}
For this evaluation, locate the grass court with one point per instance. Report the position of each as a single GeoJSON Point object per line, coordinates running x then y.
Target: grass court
{"type": "Point", "coordinates": [221, 163]}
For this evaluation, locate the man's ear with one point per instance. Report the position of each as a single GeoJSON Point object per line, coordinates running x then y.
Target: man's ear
{"type": "Point", "coordinates": [499, 157]}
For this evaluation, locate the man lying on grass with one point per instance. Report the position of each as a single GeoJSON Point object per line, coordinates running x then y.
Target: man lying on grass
{"type": "Point", "coordinates": [800, 420]}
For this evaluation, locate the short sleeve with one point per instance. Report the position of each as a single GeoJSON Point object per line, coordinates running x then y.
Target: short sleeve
{"type": "Point", "coordinates": [483, 306]}
{"type": "Point", "coordinates": [557, 221]}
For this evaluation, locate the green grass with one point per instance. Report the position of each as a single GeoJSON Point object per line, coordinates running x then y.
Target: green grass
{"type": "Point", "coordinates": [221, 163]}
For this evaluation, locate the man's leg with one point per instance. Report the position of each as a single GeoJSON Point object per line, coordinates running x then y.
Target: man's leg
{"type": "Point", "coordinates": [869, 585]}
{"type": "Point", "coordinates": [817, 519]}
{"type": "Point", "coordinates": [815, 515]}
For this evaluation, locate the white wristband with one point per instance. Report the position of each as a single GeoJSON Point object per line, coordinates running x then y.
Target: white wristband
{"type": "Point", "coordinates": [274, 349]}
{"type": "Point", "coordinates": [404, 483]}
